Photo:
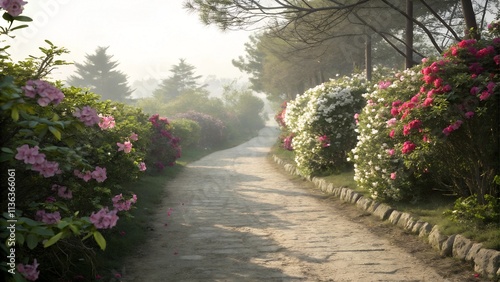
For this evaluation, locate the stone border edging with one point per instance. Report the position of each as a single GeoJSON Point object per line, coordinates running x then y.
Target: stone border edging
{"type": "Point", "coordinates": [486, 261]}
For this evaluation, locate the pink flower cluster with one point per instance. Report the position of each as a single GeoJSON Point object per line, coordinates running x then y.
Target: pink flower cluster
{"type": "Point", "coordinates": [29, 271]}
{"type": "Point", "coordinates": [324, 140]}
{"type": "Point", "coordinates": [62, 191]}
{"type": "Point", "coordinates": [408, 147]}
{"type": "Point", "coordinates": [99, 174]}
{"type": "Point", "coordinates": [126, 146]}
{"type": "Point", "coordinates": [48, 217]}
{"type": "Point", "coordinates": [106, 122]}
{"type": "Point", "coordinates": [452, 127]}
{"type": "Point", "coordinates": [142, 166]}
{"type": "Point", "coordinates": [48, 93]}
{"type": "Point", "coordinates": [414, 124]}
{"type": "Point", "coordinates": [122, 204]}
{"type": "Point", "coordinates": [87, 115]}
{"type": "Point", "coordinates": [384, 84]}
{"type": "Point", "coordinates": [104, 219]}
{"type": "Point", "coordinates": [287, 142]}
{"type": "Point", "coordinates": [13, 7]}
{"type": "Point", "coordinates": [37, 161]}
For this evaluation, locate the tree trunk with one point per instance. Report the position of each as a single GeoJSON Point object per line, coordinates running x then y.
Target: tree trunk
{"type": "Point", "coordinates": [368, 57]}
{"type": "Point", "coordinates": [409, 34]}
{"type": "Point", "coordinates": [470, 20]}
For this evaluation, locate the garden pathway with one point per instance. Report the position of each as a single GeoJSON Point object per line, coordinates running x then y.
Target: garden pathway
{"type": "Point", "coordinates": [232, 216]}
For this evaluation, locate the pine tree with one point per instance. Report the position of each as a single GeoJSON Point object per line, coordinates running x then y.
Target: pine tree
{"type": "Point", "coordinates": [99, 73]}
{"type": "Point", "coordinates": [183, 78]}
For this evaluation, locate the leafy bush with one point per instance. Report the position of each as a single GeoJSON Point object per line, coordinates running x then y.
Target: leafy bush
{"type": "Point", "coordinates": [165, 147]}
{"type": "Point", "coordinates": [187, 130]}
{"type": "Point", "coordinates": [440, 122]}
{"type": "Point", "coordinates": [470, 210]}
{"type": "Point", "coordinates": [321, 121]}
{"type": "Point", "coordinates": [213, 130]}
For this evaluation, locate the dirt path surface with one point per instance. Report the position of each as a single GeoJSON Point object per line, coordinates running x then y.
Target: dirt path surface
{"type": "Point", "coordinates": [232, 216]}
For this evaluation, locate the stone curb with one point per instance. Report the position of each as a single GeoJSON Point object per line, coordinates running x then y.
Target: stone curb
{"type": "Point", "coordinates": [486, 261]}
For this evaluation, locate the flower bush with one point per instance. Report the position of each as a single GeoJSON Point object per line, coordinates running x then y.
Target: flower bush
{"type": "Point", "coordinates": [188, 131]}
{"type": "Point", "coordinates": [438, 127]}
{"type": "Point", "coordinates": [68, 154]}
{"type": "Point", "coordinates": [322, 125]}
{"type": "Point", "coordinates": [165, 147]}
{"type": "Point", "coordinates": [213, 130]}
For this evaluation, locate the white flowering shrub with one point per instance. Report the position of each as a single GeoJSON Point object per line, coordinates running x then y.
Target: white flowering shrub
{"type": "Point", "coordinates": [322, 123]}
{"type": "Point", "coordinates": [378, 162]}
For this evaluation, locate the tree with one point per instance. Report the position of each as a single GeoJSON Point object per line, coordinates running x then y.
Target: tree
{"type": "Point", "coordinates": [183, 78]}
{"type": "Point", "coordinates": [317, 20]}
{"type": "Point", "coordinates": [99, 73]}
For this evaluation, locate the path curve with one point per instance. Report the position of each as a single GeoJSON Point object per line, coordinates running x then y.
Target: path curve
{"type": "Point", "coordinates": [232, 216]}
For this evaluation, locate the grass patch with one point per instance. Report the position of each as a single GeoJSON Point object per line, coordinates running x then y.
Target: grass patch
{"type": "Point", "coordinates": [430, 209]}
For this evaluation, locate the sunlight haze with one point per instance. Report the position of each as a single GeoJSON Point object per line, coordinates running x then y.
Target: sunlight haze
{"type": "Point", "coordinates": [146, 38]}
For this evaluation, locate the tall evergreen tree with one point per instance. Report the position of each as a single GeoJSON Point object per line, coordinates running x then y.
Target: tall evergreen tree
{"type": "Point", "coordinates": [99, 73]}
{"type": "Point", "coordinates": [183, 78]}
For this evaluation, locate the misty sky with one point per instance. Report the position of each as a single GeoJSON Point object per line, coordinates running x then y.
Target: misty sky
{"type": "Point", "coordinates": [145, 37]}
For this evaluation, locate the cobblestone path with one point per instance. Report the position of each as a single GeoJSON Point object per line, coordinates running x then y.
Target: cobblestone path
{"type": "Point", "coordinates": [232, 216]}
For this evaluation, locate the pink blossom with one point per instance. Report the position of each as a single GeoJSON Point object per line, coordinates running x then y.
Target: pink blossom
{"type": "Point", "coordinates": [29, 155]}
{"type": "Point", "coordinates": [391, 122]}
{"type": "Point", "coordinates": [48, 93]}
{"type": "Point", "coordinates": [490, 86]}
{"type": "Point", "coordinates": [287, 142]}
{"type": "Point", "coordinates": [87, 115]}
{"type": "Point", "coordinates": [47, 217]}
{"type": "Point", "coordinates": [469, 114]}
{"type": "Point", "coordinates": [474, 90]}
{"type": "Point", "coordinates": [447, 88]}
{"type": "Point", "coordinates": [142, 166]}
{"type": "Point", "coordinates": [107, 122]}
{"type": "Point", "coordinates": [121, 204]}
{"type": "Point", "coordinates": [448, 130]}
{"type": "Point", "coordinates": [62, 191]}
{"type": "Point", "coordinates": [50, 199]}
{"type": "Point", "coordinates": [484, 95]}
{"type": "Point", "coordinates": [99, 174]}
{"type": "Point", "coordinates": [47, 169]}
{"type": "Point", "coordinates": [428, 102]}
{"type": "Point", "coordinates": [384, 84]}
{"type": "Point", "coordinates": [134, 137]}
{"type": "Point", "coordinates": [466, 43]}
{"type": "Point", "coordinates": [104, 218]}
{"type": "Point", "coordinates": [497, 59]}
{"type": "Point", "coordinates": [476, 68]}
{"type": "Point", "coordinates": [13, 7]}
{"type": "Point", "coordinates": [414, 124]}
{"type": "Point", "coordinates": [485, 51]}
{"type": "Point", "coordinates": [85, 176]}
{"type": "Point", "coordinates": [134, 199]}
{"type": "Point", "coordinates": [438, 82]}
{"type": "Point", "coordinates": [392, 133]}
{"type": "Point", "coordinates": [29, 271]}
{"type": "Point", "coordinates": [393, 175]}
{"type": "Point", "coordinates": [408, 147]}
{"type": "Point", "coordinates": [324, 140]}
{"type": "Point", "coordinates": [456, 125]}
{"type": "Point", "coordinates": [125, 147]}
{"type": "Point", "coordinates": [390, 152]}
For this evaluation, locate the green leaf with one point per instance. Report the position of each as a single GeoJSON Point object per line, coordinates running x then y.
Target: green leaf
{"type": "Point", "coordinates": [62, 224]}
{"type": "Point", "coordinates": [6, 16]}
{"type": "Point", "coordinates": [53, 240]}
{"type": "Point", "coordinates": [7, 150]}
{"type": "Point", "coordinates": [100, 240]}
{"type": "Point", "coordinates": [75, 229]}
{"type": "Point", "coordinates": [19, 27]}
{"type": "Point", "coordinates": [55, 132]}
{"type": "Point", "coordinates": [15, 114]}
{"type": "Point", "coordinates": [32, 241]}
{"type": "Point", "coordinates": [42, 231]}
{"type": "Point", "coordinates": [23, 19]}
{"type": "Point", "coordinates": [20, 239]}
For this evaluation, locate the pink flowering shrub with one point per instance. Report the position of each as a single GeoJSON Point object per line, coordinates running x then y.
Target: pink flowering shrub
{"type": "Point", "coordinates": [213, 130]}
{"type": "Point", "coordinates": [434, 126]}
{"type": "Point", "coordinates": [165, 148]}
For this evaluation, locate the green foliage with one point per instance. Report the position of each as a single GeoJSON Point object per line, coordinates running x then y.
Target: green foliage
{"type": "Point", "coordinates": [477, 212]}
{"type": "Point", "coordinates": [188, 131]}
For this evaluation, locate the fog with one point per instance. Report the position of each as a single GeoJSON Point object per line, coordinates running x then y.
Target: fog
{"type": "Point", "coordinates": [146, 38]}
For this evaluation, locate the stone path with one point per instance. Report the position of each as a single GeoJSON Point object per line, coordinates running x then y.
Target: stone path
{"type": "Point", "coordinates": [232, 217]}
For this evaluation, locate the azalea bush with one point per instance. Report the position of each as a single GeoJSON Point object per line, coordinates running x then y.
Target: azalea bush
{"type": "Point", "coordinates": [188, 132]}
{"type": "Point", "coordinates": [321, 124]}
{"type": "Point", "coordinates": [66, 155]}
{"type": "Point", "coordinates": [213, 130]}
{"type": "Point", "coordinates": [436, 126]}
{"type": "Point", "coordinates": [165, 147]}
